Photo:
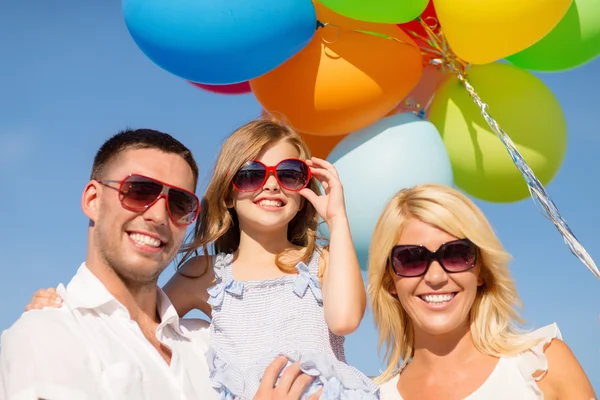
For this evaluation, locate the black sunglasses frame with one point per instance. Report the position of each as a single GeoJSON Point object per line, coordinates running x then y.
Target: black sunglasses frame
{"type": "Point", "coordinates": [437, 255]}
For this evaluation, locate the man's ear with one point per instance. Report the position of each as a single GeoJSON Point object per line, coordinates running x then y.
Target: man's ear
{"type": "Point", "coordinates": [90, 199]}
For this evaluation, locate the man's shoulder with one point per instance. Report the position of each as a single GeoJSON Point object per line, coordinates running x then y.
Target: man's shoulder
{"type": "Point", "coordinates": [197, 330]}
{"type": "Point", "coordinates": [44, 323]}
{"type": "Point", "coordinates": [195, 324]}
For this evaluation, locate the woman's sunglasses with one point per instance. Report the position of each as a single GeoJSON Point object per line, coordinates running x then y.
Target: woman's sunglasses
{"type": "Point", "coordinates": [410, 261]}
{"type": "Point", "coordinates": [139, 192]}
{"type": "Point", "coordinates": [292, 174]}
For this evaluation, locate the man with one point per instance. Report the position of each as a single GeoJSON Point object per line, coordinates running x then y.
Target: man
{"type": "Point", "coordinates": [117, 336]}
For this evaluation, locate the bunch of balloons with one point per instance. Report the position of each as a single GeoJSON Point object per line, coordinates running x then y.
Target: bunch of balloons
{"type": "Point", "coordinates": [372, 85]}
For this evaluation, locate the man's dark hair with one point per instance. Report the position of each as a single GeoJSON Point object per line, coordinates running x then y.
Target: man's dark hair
{"type": "Point", "coordinates": [130, 139]}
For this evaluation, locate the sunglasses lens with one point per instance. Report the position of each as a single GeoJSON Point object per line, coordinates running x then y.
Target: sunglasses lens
{"type": "Point", "coordinates": [292, 174]}
{"type": "Point", "coordinates": [250, 177]}
{"type": "Point", "coordinates": [182, 206]}
{"type": "Point", "coordinates": [459, 256]}
{"type": "Point", "coordinates": [138, 192]}
{"type": "Point", "coordinates": [410, 261]}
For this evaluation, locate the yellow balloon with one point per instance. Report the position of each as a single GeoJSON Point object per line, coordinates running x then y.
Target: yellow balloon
{"type": "Point", "coordinates": [483, 31]}
{"type": "Point", "coordinates": [523, 107]}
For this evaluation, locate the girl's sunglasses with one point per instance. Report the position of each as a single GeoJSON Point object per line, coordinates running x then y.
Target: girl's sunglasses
{"type": "Point", "coordinates": [292, 174]}
{"type": "Point", "coordinates": [413, 260]}
{"type": "Point", "coordinates": [138, 193]}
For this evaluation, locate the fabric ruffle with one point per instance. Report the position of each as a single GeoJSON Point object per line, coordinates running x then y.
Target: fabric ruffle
{"type": "Point", "coordinates": [534, 361]}
{"type": "Point", "coordinates": [338, 380]}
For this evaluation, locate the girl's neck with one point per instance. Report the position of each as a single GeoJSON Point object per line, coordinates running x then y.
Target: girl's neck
{"type": "Point", "coordinates": [262, 247]}
{"type": "Point", "coordinates": [445, 350]}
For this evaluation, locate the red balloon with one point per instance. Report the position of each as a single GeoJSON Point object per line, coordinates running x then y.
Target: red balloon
{"type": "Point", "coordinates": [429, 16]}
{"type": "Point", "coordinates": [235, 88]}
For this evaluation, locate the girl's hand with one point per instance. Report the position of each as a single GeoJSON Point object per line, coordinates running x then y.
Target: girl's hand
{"type": "Point", "coordinates": [330, 206]}
{"type": "Point", "coordinates": [44, 298]}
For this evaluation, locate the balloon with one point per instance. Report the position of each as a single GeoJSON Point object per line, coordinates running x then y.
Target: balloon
{"type": "Point", "coordinates": [219, 41]}
{"type": "Point", "coordinates": [574, 41]}
{"type": "Point", "coordinates": [344, 82]}
{"type": "Point", "coordinates": [422, 95]}
{"type": "Point", "coordinates": [236, 88]}
{"type": "Point", "coordinates": [413, 27]}
{"type": "Point", "coordinates": [481, 32]}
{"type": "Point", "coordinates": [525, 109]}
{"type": "Point", "coordinates": [374, 163]}
{"type": "Point", "coordinates": [320, 146]}
{"type": "Point", "coordinates": [386, 11]}
{"type": "Point", "coordinates": [420, 35]}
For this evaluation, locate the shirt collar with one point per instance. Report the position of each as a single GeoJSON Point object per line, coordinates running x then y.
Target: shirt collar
{"type": "Point", "coordinates": [86, 291]}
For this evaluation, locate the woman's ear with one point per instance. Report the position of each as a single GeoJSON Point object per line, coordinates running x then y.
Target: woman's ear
{"type": "Point", "coordinates": [391, 287]}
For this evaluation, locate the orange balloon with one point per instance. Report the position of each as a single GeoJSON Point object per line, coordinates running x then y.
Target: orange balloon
{"type": "Point", "coordinates": [320, 146]}
{"type": "Point", "coordinates": [342, 80]}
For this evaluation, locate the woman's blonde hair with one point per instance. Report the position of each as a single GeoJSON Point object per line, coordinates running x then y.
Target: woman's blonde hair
{"type": "Point", "coordinates": [493, 316]}
{"type": "Point", "coordinates": [218, 225]}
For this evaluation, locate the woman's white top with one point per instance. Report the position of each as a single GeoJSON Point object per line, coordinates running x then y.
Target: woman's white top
{"type": "Point", "coordinates": [512, 378]}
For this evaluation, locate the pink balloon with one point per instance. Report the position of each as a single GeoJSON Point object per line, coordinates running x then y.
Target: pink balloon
{"type": "Point", "coordinates": [418, 99]}
{"type": "Point", "coordinates": [236, 88]}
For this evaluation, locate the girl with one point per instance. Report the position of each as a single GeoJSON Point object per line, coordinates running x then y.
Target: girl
{"type": "Point", "coordinates": [444, 304]}
{"type": "Point", "coordinates": [269, 288]}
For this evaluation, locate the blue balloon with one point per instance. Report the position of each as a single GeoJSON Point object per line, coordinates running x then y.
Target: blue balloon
{"type": "Point", "coordinates": [376, 162]}
{"type": "Point", "coordinates": [220, 42]}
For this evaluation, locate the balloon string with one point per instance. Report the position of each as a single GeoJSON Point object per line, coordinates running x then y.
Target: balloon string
{"type": "Point", "coordinates": [538, 193]}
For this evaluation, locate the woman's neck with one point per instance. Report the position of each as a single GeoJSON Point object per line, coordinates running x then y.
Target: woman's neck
{"type": "Point", "coordinates": [444, 350]}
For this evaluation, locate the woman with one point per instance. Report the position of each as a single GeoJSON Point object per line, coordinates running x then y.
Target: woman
{"type": "Point", "coordinates": [444, 304]}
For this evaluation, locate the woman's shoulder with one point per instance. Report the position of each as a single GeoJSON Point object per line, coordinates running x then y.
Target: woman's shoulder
{"type": "Point", "coordinates": [554, 366]}
{"type": "Point", "coordinates": [533, 361]}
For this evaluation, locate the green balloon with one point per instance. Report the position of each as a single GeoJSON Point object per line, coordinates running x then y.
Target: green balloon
{"type": "Point", "coordinates": [573, 42]}
{"type": "Point", "coordinates": [384, 11]}
{"type": "Point", "coordinates": [523, 107]}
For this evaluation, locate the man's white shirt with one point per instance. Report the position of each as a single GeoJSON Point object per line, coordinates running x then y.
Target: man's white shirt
{"type": "Point", "coordinates": [91, 349]}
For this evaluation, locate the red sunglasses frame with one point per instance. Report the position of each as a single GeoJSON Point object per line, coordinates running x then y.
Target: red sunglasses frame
{"type": "Point", "coordinates": [273, 169]}
{"type": "Point", "coordinates": [163, 194]}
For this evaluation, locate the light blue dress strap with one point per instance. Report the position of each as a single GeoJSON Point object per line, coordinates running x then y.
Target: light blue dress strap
{"type": "Point", "coordinates": [224, 281]}
{"type": "Point", "coordinates": [313, 263]}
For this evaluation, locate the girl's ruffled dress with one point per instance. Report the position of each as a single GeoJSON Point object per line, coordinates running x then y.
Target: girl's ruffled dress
{"type": "Point", "coordinates": [255, 321]}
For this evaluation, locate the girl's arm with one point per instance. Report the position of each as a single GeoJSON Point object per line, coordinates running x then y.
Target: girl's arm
{"type": "Point", "coordinates": [344, 297]}
{"type": "Point", "coordinates": [187, 289]}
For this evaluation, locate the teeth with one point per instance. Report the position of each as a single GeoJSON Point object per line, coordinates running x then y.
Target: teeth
{"type": "Point", "coordinates": [270, 203]}
{"type": "Point", "coordinates": [144, 240]}
{"type": "Point", "coordinates": [437, 298]}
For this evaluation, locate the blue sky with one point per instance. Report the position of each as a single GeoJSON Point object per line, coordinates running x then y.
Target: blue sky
{"type": "Point", "coordinates": [71, 76]}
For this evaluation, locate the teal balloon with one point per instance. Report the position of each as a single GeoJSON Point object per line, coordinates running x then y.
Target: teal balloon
{"type": "Point", "coordinates": [374, 163]}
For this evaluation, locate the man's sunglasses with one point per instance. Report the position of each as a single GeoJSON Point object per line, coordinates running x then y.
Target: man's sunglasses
{"type": "Point", "coordinates": [410, 261]}
{"type": "Point", "coordinates": [292, 174]}
{"type": "Point", "coordinates": [139, 192]}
